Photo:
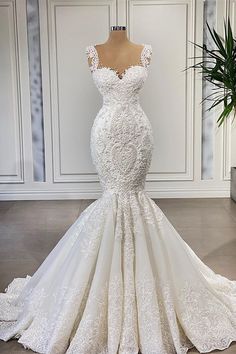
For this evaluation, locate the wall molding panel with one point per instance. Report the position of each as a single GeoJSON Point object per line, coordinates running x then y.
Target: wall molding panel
{"type": "Point", "coordinates": [171, 97]}
{"type": "Point", "coordinates": [232, 124]}
{"type": "Point", "coordinates": [15, 139]}
{"type": "Point", "coordinates": [225, 136]}
{"type": "Point", "coordinates": [173, 155]}
{"type": "Point", "coordinates": [70, 127]}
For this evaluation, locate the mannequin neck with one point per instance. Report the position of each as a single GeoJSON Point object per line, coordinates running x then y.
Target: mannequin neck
{"type": "Point", "coordinates": [117, 36]}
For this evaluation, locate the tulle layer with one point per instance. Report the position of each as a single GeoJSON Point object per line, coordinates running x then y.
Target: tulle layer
{"type": "Point", "coordinates": [120, 280]}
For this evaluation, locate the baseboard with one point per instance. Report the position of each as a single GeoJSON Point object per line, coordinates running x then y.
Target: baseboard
{"type": "Point", "coordinates": [94, 194]}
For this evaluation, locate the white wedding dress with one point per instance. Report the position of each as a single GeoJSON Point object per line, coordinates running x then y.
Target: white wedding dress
{"type": "Point", "coordinates": [121, 279]}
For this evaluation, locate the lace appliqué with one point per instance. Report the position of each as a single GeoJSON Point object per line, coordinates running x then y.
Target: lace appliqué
{"type": "Point", "coordinates": [169, 322]}
{"type": "Point", "coordinates": [91, 54]}
{"type": "Point", "coordinates": [121, 278]}
{"type": "Point", "coordinates": [146, 55]}
{"type": "Point", "coordinates": [95, 63]}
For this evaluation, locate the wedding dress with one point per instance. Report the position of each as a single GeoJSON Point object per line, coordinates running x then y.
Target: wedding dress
{"type": "Point", "coordinates": [121, 279]}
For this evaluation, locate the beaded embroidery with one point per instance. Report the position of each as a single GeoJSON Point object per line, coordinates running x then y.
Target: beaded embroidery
{"type": "Point", "coordinates": [121, 279]}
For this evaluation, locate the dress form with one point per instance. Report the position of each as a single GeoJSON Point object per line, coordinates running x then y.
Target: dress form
{"type": "Point", "coordinates": [118, 52]}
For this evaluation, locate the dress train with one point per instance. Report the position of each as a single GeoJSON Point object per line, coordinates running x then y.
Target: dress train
{"type": "Point", "coordinates": [121, 277]}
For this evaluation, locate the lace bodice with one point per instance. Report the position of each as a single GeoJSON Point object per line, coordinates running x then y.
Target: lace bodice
{"type": "Point", "coordinates": [121, 135]}
{"type": "Point", "coordinates": [115, 87]}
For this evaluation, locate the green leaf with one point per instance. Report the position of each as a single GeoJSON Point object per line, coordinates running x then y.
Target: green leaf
{"type": "Point", "coordinates": [225, 113]}
{"type": "Point", "coordinates": [218, 67]}
{"type": "Point", "coordinates": [217, 41]}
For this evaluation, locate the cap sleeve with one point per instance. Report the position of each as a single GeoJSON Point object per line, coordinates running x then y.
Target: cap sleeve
{"type": "Point", "coordinates": [91, 56]}
{"type": "Point", "coordinates": [146, 55]}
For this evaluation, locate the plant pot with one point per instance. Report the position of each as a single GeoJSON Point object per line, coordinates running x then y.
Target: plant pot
{"type": "Point", "coordinates": [233, 184]}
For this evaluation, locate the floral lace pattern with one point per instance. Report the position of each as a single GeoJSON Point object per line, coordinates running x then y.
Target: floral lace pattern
{"type": "Point", "coordinates": [121, 136]}
{"type": "Point", "coordinates": [95, 62]}
{"type": "Point", "coordinates": [121, 279]}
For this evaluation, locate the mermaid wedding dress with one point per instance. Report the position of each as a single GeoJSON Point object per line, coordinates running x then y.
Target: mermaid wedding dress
{"type": "Point", "coordinates": [121, 279]}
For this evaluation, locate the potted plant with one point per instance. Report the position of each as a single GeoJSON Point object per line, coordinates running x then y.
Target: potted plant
{"type": "Point", "coordinates": [218, 66]}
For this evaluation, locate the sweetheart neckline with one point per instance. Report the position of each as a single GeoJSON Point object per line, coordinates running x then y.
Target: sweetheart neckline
{"type": "Point", "coordinates": [123, 74]}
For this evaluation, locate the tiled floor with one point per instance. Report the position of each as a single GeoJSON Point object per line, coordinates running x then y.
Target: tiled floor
{"type": "Point", "coordinates": [30, 229]}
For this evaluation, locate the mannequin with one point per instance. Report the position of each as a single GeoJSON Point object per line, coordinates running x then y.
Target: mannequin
{"type": "Point", "coordinates": [118, 52]}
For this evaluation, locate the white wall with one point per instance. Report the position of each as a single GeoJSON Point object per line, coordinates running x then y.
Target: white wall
{"type": "Point", "coordinates": [171, 98]}
{"type": "Point", "coordinates": [15, 127]}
